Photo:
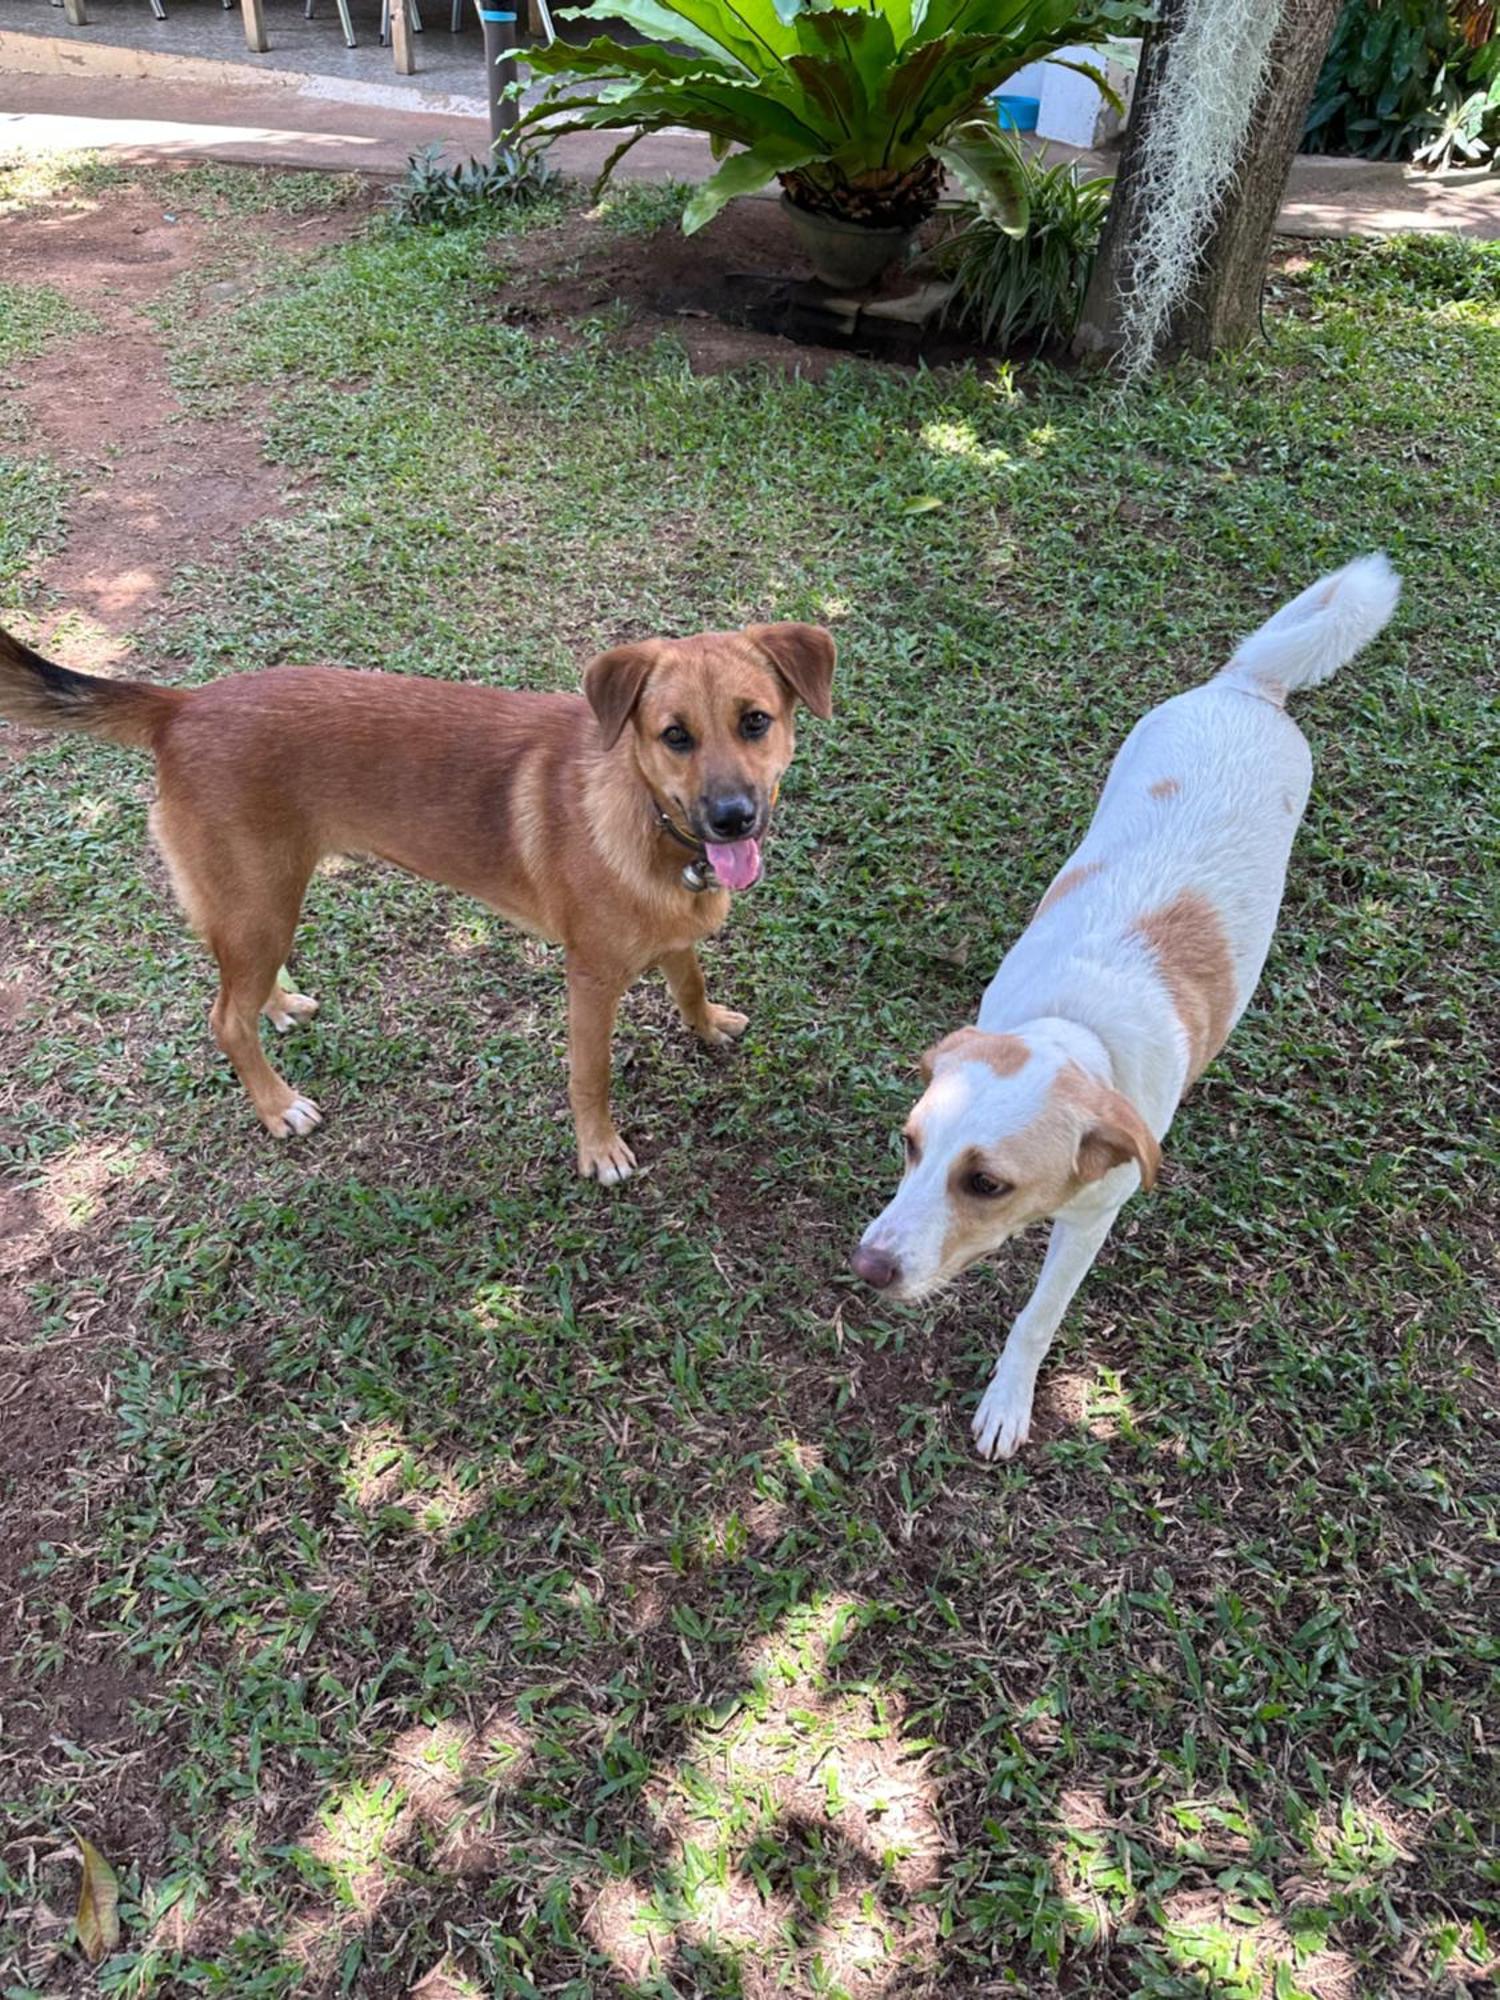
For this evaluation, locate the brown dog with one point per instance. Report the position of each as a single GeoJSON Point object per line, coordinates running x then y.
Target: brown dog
{"type": "Point", "coordinates": [615, 825]}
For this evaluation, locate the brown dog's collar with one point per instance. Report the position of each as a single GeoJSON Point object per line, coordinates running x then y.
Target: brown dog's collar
{"type": "Point", "coordinates": [698, 875]}
{"type": "Point", "coordinates": [669, 825]}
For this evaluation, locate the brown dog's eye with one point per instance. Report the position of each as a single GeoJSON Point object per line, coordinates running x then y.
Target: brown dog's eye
{"type": "Point", "coordinates": [676, 737]}
{"type": "Point", "coordinates": [754, 723]}
{"type": "Point", "coordinates": [987, 1187]}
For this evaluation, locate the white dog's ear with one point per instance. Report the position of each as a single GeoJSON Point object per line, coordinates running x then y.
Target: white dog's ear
{"type": "Point", "coordinates": [1116, 1135]}
{"type": "Point", "coordinates": [612, 686]}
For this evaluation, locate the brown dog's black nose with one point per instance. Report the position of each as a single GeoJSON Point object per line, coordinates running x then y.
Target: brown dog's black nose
{"type": "Point", "coordinates": [876, 1267]}
{"type": "Point", "coordinates": [731, 818]}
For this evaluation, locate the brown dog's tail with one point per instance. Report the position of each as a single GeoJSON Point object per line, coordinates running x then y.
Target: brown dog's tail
{"type": "Point", "coordinates": [44, 695]}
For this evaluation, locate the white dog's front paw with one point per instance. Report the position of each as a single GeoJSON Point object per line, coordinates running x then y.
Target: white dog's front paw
{"type": "Point", "coordinates": [1002, 1423]}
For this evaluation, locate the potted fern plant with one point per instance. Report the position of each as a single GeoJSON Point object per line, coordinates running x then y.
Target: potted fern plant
{"type": "Point", "coordinates": [857, 107]}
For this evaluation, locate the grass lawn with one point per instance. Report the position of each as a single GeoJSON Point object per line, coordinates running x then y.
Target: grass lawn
{"type": "Point", "coordinates": [445, 1570]}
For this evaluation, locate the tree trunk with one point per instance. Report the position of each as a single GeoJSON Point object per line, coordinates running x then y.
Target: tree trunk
{"type": "Point", "coordinates": [1221, 308]}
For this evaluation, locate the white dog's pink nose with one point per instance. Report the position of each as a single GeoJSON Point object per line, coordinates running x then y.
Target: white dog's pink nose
{"type": "Point", "coordinates": [876, 1267]}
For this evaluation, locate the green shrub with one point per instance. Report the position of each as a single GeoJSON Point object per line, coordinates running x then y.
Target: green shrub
{"type": "Point", "coordinates": [1029, 287]}
{"type": "Point", "coordinates": [449, 197]}
{"type": "Point", "coordinates": [1403, 80]}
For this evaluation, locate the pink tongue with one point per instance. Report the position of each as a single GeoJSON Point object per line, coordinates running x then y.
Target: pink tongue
{"type": "Point", "coordinates": [737, 864]}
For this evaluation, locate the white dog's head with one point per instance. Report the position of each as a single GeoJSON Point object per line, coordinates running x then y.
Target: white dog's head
{"type": "Point", "coordinates": [1009, 1130]}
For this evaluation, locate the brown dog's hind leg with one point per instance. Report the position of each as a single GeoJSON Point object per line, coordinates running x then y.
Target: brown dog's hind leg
{"type": "Point", "coordinates": [718, 1026]}
{"type": "Point", "coordinates": [244, 902]}
{"type": "Point", "coordinates": [593, 1000]}
{"type": "Point", "coordinates": [250, 952]}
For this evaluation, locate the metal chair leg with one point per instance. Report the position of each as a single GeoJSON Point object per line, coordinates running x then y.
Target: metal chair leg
{"type": "Point", "coordinates": [344, 22]}
{"type": "Point", "coordinates": [158, 10]}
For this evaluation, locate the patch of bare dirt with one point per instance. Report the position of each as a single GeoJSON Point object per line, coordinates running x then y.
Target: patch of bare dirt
{"type": "Point", "coordinates": [162, 489]}
{"type": "Point", "coordinates": [705, 290]}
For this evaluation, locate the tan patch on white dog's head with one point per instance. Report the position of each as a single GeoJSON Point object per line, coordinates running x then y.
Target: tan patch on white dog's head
{"type": "Point", "coordinates": [1004, 1054]}
{"type": "Point", "coordinates": [1166, 788]}
{"type": "Point", "coordinates": [1187, 939]}
{"type": "Point", "coordinates": [1069, 880]}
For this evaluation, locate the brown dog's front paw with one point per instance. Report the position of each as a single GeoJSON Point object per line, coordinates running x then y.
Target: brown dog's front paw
{"type": "Point", "coordinates": [294, 1120]}
{"type": "Point", "coordinates": [286, 1011]}
{"type": "Point", "coordinates": [722, 1025]}
{"type": "Point", "coordinates": [608, 1160]}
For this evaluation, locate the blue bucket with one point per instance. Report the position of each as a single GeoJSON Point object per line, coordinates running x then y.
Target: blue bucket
{"type": "Point", "coordinates": [1016, 114]}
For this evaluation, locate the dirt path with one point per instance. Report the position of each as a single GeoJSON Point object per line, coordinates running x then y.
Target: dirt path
{"type": "Point", "coordinates": [159, 489]}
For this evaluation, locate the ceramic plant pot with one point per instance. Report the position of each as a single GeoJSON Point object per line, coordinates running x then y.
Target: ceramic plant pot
{"type": "Point", "coordinates": [848, 256]}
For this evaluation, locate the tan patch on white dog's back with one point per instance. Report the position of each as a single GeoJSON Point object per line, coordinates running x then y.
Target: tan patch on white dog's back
{"type": "Point", "coordinates": [1069, 880]}
{"type": "Point", "coordinates": [1187, 939]}
{"type": "Point", "coordinates": [1165, 788]}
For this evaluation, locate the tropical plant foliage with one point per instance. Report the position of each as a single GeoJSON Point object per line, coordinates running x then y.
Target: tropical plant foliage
{"type": "Point", "coordinates": [852, 105]}
{"type": "Point", "coordinates": [1410, 80]}
{"type": "Point", "coordinates": [445, 197]}
{"type": "Point", "coordinates": [1030, 286]}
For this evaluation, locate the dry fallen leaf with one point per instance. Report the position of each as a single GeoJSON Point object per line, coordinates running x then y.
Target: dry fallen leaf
{"type": "Point", "coordinates": [98, 1904]}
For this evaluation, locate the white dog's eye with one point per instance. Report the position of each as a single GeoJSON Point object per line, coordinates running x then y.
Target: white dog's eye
{"type": "Point", "coordinates": [987, 1187]}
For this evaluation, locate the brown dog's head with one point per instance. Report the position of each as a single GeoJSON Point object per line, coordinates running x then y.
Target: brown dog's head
{"type": "Point", "coordinates": [712, 726]}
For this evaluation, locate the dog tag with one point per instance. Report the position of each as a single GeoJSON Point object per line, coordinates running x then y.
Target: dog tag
{"type": "Point", "coordinates": [699, 875]}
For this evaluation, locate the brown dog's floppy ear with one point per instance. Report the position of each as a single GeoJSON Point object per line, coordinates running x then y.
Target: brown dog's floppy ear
{"type": "Point", "coordinates": [1117, 1134]}
{"type": "Point", "coordinates": [612, 686]}
{"type": "Point", "coordinates": [804, 656]}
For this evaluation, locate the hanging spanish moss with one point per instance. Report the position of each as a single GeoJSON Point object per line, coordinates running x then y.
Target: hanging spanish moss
{"type": "Point", "coordinates": [1214, 72]}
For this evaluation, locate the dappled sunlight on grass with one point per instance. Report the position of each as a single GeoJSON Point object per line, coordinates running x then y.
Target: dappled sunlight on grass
{"type": "Point", "coordinates": [1097, 1403]}
{"type": "Point", "coordinates": [438, 1781]}
{"type": "Point", "coordinates": [952, 439]}
{"type": "Point", "coordinates": [383, 1472]}
{"type": "Point", "coordinates": [69, 1193]}
{"type": "Point", "coordinates": [30, 180]}
{"type": "Point", "coordinates": [471, 934]}
{"type": "Point", "coordinates": [75, 1182]}
{"type": "Point", "coordinates": [1363, 1840]}
{"type": "Point", "coordinates": [797, 1831]}
{"type": "Point", "coordinates": [82, 641]}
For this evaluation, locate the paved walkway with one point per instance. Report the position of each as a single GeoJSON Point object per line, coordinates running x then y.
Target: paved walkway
{"type": "Point", "coordinates": [300, 124]}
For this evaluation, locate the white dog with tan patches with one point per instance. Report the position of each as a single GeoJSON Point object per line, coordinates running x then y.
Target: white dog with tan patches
{"type": "Point", "coordinates": [1141, 957]}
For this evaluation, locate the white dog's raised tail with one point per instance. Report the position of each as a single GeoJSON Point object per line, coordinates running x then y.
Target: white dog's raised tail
{"type": "Point", "coordinates": [1309, 639]}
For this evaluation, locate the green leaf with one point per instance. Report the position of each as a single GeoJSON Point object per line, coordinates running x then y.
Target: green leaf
{"type": "Point", "coordinates": [657, 23]}
{"type": "Point", "coordinates": [98, 1903]}
{"type": "Point", "coordinates": [742, 173]}
{"type": "Point", "coordinates": [1097, 77]}
{"type": "Point", "coordinates": [990, 169]}
{"type": "Point", "coordinates": [924, 503]}
{"type": "Point", "coordinates": [638, 59]}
